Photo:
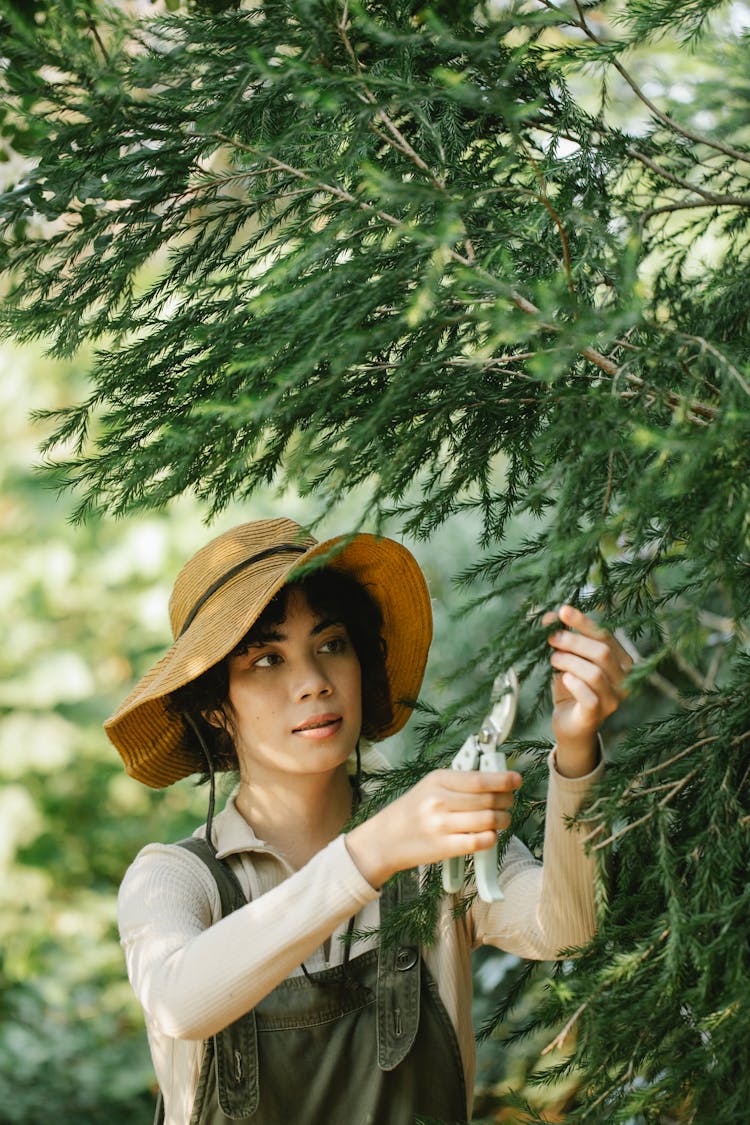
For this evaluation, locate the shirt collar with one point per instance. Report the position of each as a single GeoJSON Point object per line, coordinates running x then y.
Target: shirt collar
{"type": "Point", "coordinates": [232, 833]}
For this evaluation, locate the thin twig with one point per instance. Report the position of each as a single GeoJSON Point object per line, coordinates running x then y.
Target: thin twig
{"type": "Point", "coordinates": [676, 757]}
{"type": "Point", "coordinates": [589, 836]}
{"type": "Point", "coordinates": [610, 480]}
{"type": "Point", "coordinates": [492, 362]}
{"type": "Point", "coordinates": [544, 200]}
{"type": "Point", "coordinates": [713, 667]}
{"type": "Point", "coordinates": [692, 673]}
{"type": "Point", "coordinates": [661, 683]}
{"type": "Point", "coordinates": [691, 204]}
{"type": "Point", "coordinates": [710, 197]}
{"type": "Point", "coordinates": [559, 1039]}
{"type": "Point", "coordinates": [656, 789]}
{"type": "Point", "coordinates": [319, 185]}
{"type": "Point", "coordinates": [705, 346]}
{"type": "Point", "coordinates": [95, 32]}
{"type": "Point", "coordinates": [676, 788]}
{"type": "Point", "coordinates": [398, 137]}
{"type": "Point", "coordinates": [626, 345]}
{"type": "Point", "coordinates": [689, 134]}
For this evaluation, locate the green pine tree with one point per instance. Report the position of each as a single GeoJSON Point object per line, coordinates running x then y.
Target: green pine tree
{"type": "Point", "coordinates": [471, 257]}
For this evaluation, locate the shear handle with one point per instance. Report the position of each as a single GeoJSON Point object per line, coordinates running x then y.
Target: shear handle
{"type": "Point", "coordinates": [472, 756]}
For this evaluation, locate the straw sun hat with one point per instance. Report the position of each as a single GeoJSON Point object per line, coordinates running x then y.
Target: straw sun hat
{"type": "Point", "coordinates": [222, 591]}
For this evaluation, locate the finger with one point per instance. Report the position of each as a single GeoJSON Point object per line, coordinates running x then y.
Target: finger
{"type": "Point", "coordinates": [558, 614]}
{"type": "Point", "coordinates": [467, 843]}
{"type": "Point", "coordinates": [574, 618]}
{"type": "Point", "coordinates": [596, 652]}
{"type": "Point", "coordinates": [439, 823]}
{"type": "Point", "coordinates": [577, 619]}
{"type": "Point", "coordinates": [488, 820]}
{"type": "Point", "coordinates": [594, 677]}
{"type": "Point", "coordinates": [479, 781]}
{"type": "Point", "coordinates": [503, 823]}
{"type": "Point", "coordinates": [459, 801]}
{"type": "Point", "coordinates": [560, 693]}
{"type": "Point", "coordinates": [583, 694]}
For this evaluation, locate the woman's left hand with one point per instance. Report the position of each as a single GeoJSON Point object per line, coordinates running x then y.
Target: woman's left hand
{"type": "Point", "coordinates": [590, 668]}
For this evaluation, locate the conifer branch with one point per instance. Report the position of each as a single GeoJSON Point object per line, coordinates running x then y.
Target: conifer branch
{"type": "Point", "coordinates": [661, 683]}
{"type": "Point", "coordinates": [692, 204]}
{"type": "Point", "coordinates": [689, 134]}
{"type": "Point", "coordinates": [559, 1040]}
{"type": "Point", "coordinates": [695, 409]}
{"type": "Point", "coordinates": [693, 674]}
{"type": "Point", "coordinates": [709, 197]}
{"type": "Point", "coordinates": [723, 624]}
{"type": "Point", "coordinates": [610, 480]}
{"type": "Point", "coordinates": [711, 349]}
{"type": "Point", "coordinates": [397, 139]}
{"type": "Point", "coordinates": [634, 786]}
{"type": "Point", "coordinates": [675, 788]}
{"type": "Point", "coordinates": [544, 200]}
{"type": "Point", "coordinates": [318, 185]}
{"type": "Point", "coordinates": [521, 302]}
{"type": "Point", "coordinates": [699, 412]}
{"type": "Point", "coordinates": [95, 32]}
{"type": "Point", "coordinates": [684, 753]}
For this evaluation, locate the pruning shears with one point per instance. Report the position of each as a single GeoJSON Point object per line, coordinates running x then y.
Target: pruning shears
{"type": "Point", "coordinates": [480, 752]}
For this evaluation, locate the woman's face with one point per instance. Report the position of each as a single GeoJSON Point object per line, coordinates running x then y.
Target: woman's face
{"type": "Point", "coordinates": [296, 696]}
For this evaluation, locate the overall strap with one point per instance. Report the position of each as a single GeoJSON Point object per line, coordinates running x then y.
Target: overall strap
{"type": "Point", "coordinates": [230, 891]}
{"type": "Point", "coordinates": [398, 987]}
{"type": "Point", "coordinates": [236, 1046]}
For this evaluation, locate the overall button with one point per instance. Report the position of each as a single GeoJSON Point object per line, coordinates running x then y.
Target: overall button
{"type": "Point", "coordinates": [406, 958]}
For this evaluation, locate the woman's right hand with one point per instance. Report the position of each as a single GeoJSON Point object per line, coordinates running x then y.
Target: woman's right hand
{"type": "Point", "coordinates": [448, 813]}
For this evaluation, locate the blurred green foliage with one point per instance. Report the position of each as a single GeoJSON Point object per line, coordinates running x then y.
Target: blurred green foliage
{"type": "Point", "coordinates": [82, 609]}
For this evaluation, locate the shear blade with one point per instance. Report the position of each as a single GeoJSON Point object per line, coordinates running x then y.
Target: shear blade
{"type": "Point", "coordinates": [504, 700]}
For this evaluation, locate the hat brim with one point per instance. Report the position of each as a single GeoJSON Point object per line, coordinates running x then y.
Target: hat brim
{"type": "Point", "coordinates": [152, 740]}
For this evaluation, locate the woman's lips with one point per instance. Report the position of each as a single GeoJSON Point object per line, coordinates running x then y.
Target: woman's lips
{"type": "Point", "coordinates": [319, 726]}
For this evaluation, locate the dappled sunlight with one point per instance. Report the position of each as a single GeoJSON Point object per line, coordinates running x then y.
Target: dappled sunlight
{"type": "Point", "coordinates": [20, 822]}
{"type": "Point", "coordinates": [30, 741]}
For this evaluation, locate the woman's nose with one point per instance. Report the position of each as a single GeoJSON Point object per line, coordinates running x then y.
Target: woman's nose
{"type": "Point", "coordinates": [313, 682]}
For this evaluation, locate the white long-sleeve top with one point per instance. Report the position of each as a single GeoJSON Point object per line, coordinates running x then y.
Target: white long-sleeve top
{"type": "Point", "coordinates": [194, 972]}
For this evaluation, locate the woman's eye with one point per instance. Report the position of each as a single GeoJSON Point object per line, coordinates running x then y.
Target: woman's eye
{"type": "Point", "coordinates": [267, 660]}
{"type": "Point", "coordinates": [334, 644]}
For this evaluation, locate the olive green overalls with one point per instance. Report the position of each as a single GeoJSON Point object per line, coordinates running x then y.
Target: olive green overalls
{"type": "Point", "coordinates": [368, 1042]}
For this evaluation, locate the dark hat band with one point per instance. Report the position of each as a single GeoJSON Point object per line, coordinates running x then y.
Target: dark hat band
{"type": "Point", "coordinates": [283, 548]}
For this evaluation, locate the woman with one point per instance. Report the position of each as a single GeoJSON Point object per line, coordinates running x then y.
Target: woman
{"type": "Point", "coordinates": [257, 1007]}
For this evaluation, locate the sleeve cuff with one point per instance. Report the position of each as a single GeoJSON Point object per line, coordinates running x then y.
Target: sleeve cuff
{"type": "Point", "coordinates": [577, 784]}
{"type": "Point", "coordinates": [360, 886]}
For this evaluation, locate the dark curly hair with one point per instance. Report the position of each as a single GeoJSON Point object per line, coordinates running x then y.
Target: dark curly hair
{"type": "Point", "coordinates": [330, 594]}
